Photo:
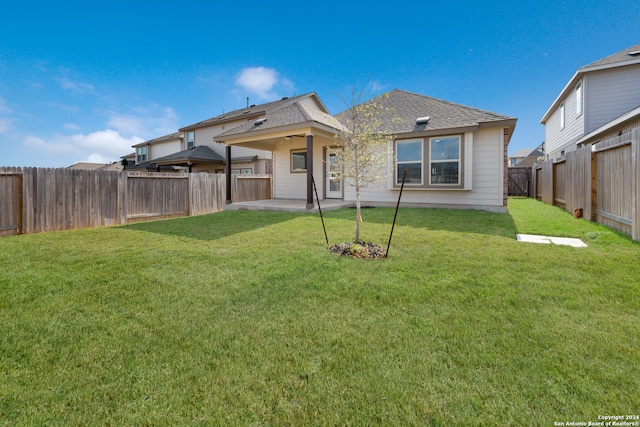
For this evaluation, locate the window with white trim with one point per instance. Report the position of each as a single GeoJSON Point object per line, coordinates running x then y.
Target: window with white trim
{"type": "Point", "coordinates": [141, 154]}
{"type": "Point", "coordinates": [562, 115]}
{"type": "Point", "coordinates": [409, 157]}
{"type": "Point", "coordinates": [579, 98]}
{"type": "Point", "coordinates": [191, 139]}
{"type": "Point", "coordinates": [444, 160]}
{"type": "Point", "coordinates": [435, 162]}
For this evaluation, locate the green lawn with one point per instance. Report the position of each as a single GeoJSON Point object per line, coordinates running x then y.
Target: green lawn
{"type": "Point", "coordinates": [245, 318]}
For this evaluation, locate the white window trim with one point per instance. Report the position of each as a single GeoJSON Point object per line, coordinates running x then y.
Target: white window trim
{"type": "Point", "coordinates": [459, 160]}
{"type": "Point", "coordinates": [579, 99]}
{"type": "Point", "coordinates": [398, 163]}
{"type": "Point", "coordinates": [191, 142]}
{"type": "Point", "coordinates": [562, 118]}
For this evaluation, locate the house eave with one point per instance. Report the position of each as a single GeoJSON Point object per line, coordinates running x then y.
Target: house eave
{"type": "Point", "coordinates": [200, 125]}
{"type": "Point", "coordinates": [307, 128]}
{"type": "Point", "coordinates": [628, 116]}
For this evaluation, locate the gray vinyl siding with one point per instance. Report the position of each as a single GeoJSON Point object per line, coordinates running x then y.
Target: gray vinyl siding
{"type": "Point", "coordinates": [611, 93]}
{"type": "Point", "coordinates": [558, 139]}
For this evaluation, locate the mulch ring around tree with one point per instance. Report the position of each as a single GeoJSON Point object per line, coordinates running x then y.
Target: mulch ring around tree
{"type": "Point", "coordinates": [365, 250]}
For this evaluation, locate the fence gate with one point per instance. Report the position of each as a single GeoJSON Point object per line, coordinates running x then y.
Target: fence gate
{"type": "Point", "coordinates": [519, 181]}
{"type": "Point", "coordinates": [10, 203]}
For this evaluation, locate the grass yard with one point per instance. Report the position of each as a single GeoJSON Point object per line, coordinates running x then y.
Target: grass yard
{"type": "Point", "coordinates": [244, 318]}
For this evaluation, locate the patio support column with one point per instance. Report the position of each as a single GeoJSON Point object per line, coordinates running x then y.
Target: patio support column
{"type": "Point", "coordinates": [309, 171]}
{"type": "Point", "coordinates": [227, 172]}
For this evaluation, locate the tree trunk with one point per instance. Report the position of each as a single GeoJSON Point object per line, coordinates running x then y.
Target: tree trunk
{"type": "Point", "coordinates": [358, 217]}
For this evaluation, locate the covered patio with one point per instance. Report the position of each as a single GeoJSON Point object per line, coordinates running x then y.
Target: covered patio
{"type": "Point", "coordinates": [298, 135]}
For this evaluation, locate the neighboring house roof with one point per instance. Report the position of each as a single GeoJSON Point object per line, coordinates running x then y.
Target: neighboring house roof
{"type": "Point", "coordinates": [403, 108]}
{"type": "Point", "coordinates": [151, 166]}
{"type": "Point", "coordinates": [289, 114]}
{"type": "Point", "coordinates": [170, 137]}
{"type": "Point", "coordinates": [626, 57]}
{"type": "Point", "coordinates": [624, 118]}
{"type": "Point", "coordinates": [252, 111]}
{"type": "Point", "coordinates": [97, 166]}
{"type": "Point", "coordinates": [527, 156]}
{"type": "Point", "coordinates": [200, 154]}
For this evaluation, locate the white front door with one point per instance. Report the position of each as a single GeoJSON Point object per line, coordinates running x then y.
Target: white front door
{"type": "Point", "coordinates": [333, 182]}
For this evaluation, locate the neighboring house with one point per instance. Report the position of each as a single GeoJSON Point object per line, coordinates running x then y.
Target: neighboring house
{"type": "Point", "coordinates": [147, 152]}
{"type": "Point", "coordinates": [603, 96]}
{"type": "Point", "coordinates": [97, 166]}
{"type": "Point", "coordinates": [527, 157]}
{"type": "Point", "coordinates": [472, 142]}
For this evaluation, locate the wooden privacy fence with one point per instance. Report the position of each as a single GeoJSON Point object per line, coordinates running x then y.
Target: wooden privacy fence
{"type": "Point", "coordinates": [34, 200]}
{"type": "Point", "coordinates": [602, 180]}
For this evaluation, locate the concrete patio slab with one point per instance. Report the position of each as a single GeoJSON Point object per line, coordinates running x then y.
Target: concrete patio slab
{"type": "Point", "coordinates": [568, 241]}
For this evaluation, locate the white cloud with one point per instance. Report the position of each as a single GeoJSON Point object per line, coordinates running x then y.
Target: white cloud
{"type": "Point", "coordinates": [72, 127]}
{"type": "Point", "coordinates": [4, 108]}
{"type": "Point", "coordinates": [4, 124]}
{"type": "Point", "coordinates": [77, 87]}
{"type": "Point", "coordinates": [149, 122]}
{"type": "Point", "coordinates": [107, 145]}
{"type": "Point", "coordinates": [261, 81]}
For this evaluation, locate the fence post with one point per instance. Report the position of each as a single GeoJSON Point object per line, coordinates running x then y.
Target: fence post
{"type": "Point", "coordinates": [635, 184]}
{"type": "Point", "coordinates": [594, 186]}
{"type": "Point", "coordinates": [122, 195]}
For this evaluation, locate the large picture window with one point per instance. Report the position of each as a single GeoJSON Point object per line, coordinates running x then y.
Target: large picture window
{"type": "Point", "coordinates": [444, 160]}
{"type": "Point", "coordinates": [299, 161]}
{"type": "Point", "coordinates": [435, 162]}
{"type": "Point", "coordinates": [409, 155]}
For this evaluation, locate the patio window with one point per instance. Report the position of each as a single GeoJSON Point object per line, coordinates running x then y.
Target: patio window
{"type": "Point", "coordinates": [298, 160]}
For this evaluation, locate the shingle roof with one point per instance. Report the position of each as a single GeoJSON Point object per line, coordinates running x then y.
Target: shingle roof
{"type": "Point", "coordinates": [286, 115]}
{"type": "Point", "coordinates": [406, 107]}
{"type": "Point", "coordinates": [618, 57]}
{"type": "Point", "coordinates": [200, 153]}
{"type": "Point", "coordinates": [252, 111]}
{"type": "Point", "coordinates": [170, 137]}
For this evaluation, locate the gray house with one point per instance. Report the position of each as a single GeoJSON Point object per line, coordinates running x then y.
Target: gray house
{"type": "Point", "coordinates": [601, 98]}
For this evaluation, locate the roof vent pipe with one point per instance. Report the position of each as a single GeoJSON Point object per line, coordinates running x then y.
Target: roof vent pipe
{"type": "Point", "coordinates": [260, 121]}
{"type": "Point", "coordinates": [422, 120]}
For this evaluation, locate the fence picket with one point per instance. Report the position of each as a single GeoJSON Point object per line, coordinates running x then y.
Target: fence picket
{"type": "Point", "coordinates": [603, 180]}
{"type": "Point", "coordinates": [35, 200]}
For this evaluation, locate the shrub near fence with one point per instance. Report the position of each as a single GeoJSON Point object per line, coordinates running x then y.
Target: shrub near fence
{"type": "Point", "coordinates": [602, 180]}
{"type": "Point", "coordinates": [34, 200]}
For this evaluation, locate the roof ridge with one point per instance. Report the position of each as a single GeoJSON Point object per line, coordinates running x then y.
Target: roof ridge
{"type": "Point", "coordinates": [606, 59]}
{"type": "Point", "coordinates": [444, 101]}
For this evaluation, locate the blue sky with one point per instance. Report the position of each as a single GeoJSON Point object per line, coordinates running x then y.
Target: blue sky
{"type": "Point", "coordinates": [83, 81]}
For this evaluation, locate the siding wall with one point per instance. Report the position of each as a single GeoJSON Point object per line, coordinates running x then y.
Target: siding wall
{"type": "Point", "coordinates": [610, 94]}
{"type": "Point", "coordinates": [155, 151]}
{"type": "Point", "coordinates": [487, 180]}
{"type": "Point", "coordinates": [484, 168]}
{"type": "Point", "coordinates": [290, 185]}
{"type": "Point", "coordinates": [204, 136]}
{"type": "Point", "coordinates": [558, 139]}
